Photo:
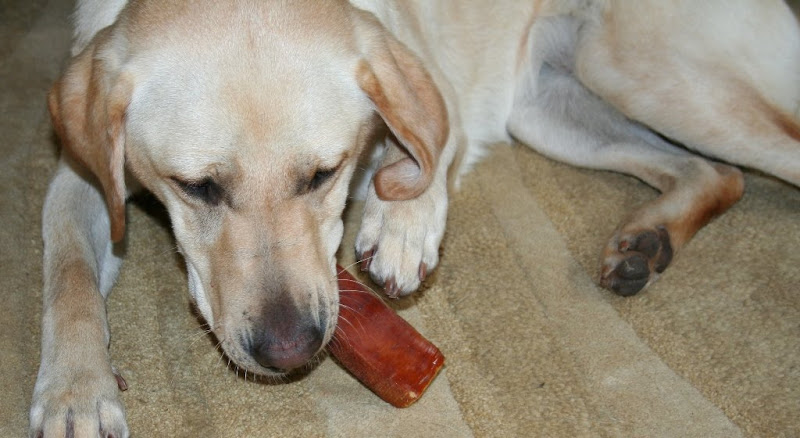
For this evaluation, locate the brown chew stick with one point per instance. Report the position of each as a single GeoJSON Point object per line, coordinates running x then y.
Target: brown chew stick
{"type": "Point", "coordinates": [380, 348]}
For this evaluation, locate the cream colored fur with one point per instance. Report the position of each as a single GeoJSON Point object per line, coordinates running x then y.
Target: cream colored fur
{"type": "Point", "coordinates": [248, 120]}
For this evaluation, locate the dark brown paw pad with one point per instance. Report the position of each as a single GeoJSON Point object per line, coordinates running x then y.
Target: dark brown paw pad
{"type": "Point", "coordinates": [639, 257]}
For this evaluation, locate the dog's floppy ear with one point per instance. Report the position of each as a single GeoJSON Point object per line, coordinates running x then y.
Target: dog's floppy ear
{"type": "Point", "coordinates": [411, 106]}
{"type": "Point", "coordinates": [87, 106]}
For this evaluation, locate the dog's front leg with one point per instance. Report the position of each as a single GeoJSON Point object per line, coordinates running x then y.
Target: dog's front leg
{"type": "Point", "coordinates": [76, 393]}
{"type": "Point", "coordinates": [398, 242]}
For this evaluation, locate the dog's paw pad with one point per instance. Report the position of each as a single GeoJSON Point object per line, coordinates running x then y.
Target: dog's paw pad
{"type": "Point", "coordinates": [635, 260]}
{"type": "Point", "coordinates": [629, 276]}
{"type": "Point", "coordinates": [653, 244]}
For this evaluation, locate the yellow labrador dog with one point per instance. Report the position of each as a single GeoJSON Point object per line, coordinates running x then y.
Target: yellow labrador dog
{"type": "Point", "coordinates": [248, 118]}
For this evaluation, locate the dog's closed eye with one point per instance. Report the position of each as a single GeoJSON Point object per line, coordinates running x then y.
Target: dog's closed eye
{"type": "Point", "coordinates": [320, 177]}
{"type": "Point", "coordinates": [317, 180]}
{"type": "Point", "coordinates": [205, 190]}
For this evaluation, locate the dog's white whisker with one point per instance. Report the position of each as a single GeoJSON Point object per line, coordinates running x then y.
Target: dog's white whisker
{"type": "Point", "coordinates": [346, 268]}
{"type": "Point", "coordinates": [195, 337]}
{"type": "Point", "coordinates": [365, 288]}
{"type": "Point", "coordinates": [171, 250]}
{"type": "Point", "coordinates": [344, 306]}
{"type": "Point", "coordinates": [341, 339]}
{"type": "Point", "coordinates": [348, 322]}
{"type": "Point", "coordinates": [220, 350]}
{"type": "Point", "coordinates": [359, 327]}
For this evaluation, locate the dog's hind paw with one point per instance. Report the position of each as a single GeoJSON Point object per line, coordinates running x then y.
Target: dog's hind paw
{"type": "Point", "coordinates": [83, 406]}
{"type": "Point", "coordinates": [634, 260]}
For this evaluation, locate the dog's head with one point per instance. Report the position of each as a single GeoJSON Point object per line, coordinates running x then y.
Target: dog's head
{"type": "Point", "coordinates": [247, 119]}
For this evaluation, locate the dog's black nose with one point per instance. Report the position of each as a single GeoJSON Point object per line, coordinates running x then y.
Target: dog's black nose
{"type": "Point", "coordinates": [284, 338]}
{"type": "Point", "coordinates": [287, 352]}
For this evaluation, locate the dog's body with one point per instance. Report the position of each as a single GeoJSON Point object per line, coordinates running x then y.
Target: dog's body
{"type": "Point", "coordinates": [247, 119]}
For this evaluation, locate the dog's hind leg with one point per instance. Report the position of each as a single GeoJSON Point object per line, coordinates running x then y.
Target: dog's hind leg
{"type": "Point", "coordinates": [560, 118]}
{"type": "Point", "coordinates": [721, 78]}
{"type": "Point", "coordinates": [76, 392]}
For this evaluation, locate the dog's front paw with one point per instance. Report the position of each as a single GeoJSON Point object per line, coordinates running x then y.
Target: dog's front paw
{"type": "Point", "coordinates": [78, 404]}
{"type": "Point", "coordinates": [398, 242]}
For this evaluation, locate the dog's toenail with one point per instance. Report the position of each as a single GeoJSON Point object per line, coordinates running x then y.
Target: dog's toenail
{"type": "Point", "coordinates": [391, 289]}
{"type": "Point", "coordinates": [366, 260]}
{"type": "Point", "coordinates": [121, 383]}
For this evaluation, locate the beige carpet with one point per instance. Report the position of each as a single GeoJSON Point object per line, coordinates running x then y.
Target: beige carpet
{"type": "Point", "coordinates": [533, 347]}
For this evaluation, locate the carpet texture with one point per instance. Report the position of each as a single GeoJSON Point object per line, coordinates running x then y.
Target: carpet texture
{"type": "Point", "coordinates": [533, 346]}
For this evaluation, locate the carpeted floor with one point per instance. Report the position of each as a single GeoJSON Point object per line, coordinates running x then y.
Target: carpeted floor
{"type": "Point", "coordinates": [533, 347]}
